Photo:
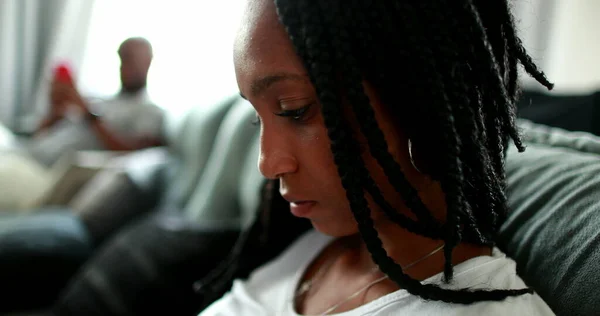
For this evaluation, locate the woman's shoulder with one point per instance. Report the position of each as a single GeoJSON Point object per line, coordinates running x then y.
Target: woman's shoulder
{"type": "Point", "coordinates": [481, 273]}
{"type": "Point", "coordinates": [497, 272]}
{"type": "Point", "coordinates": [528, 304]}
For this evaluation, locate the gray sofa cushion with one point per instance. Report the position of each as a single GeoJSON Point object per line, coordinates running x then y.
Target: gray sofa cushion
{"type": "Point", "coordinates": [553, 229]}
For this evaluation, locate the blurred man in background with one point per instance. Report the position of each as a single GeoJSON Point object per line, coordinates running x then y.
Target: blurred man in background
{"type": "Point", "coordinates": [129, 121]}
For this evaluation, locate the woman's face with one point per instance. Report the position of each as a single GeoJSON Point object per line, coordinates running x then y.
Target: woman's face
{"type": "Point", "coordinates": [294, 145]}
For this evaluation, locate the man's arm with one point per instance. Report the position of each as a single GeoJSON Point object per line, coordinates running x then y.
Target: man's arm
{"type": "Point", "coordinates": [47, 123]}
{"type": "Point", "coordinates": [112, 141]}
{"type": "Point", "coordinates": [108, 138]}
{"type": "Point", "coordinates": [59, 98]}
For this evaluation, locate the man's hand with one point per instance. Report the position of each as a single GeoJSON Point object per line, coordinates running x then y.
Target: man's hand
{"type": "Point", "coordinates": [63, 95]}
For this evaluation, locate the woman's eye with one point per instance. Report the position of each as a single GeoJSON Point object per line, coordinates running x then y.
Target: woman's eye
{"type": "Point", "coordinates": [295, 115]}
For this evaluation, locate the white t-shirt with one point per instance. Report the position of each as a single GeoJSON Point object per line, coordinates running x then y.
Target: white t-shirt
{"type": "Point", "coordinates": [130, 117]}
{"type": "Point", "coordinates": [270, 289]}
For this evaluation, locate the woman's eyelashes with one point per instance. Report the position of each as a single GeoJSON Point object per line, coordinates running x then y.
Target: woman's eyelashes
{"type": "Point", "coordinates": [296, 115]}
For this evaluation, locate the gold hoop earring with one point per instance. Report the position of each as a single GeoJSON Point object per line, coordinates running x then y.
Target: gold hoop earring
{"type": "Point", "coordinates": [410, 156]}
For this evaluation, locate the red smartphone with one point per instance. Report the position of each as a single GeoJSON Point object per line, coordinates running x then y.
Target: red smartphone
{"type": "Point", "coordinates": [63, 73]}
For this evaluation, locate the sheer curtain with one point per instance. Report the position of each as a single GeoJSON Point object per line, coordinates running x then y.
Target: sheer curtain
{"type": "Point", "coordinates": [34, 34]}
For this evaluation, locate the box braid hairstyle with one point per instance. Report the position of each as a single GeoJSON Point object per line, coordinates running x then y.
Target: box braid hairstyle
{"type": "Point", "coordinates": [458, 61]}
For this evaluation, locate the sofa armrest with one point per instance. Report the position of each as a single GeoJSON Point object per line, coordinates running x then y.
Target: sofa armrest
{"type": "Point", "coordinates": [38, 255]}
{"type": "Point", "coordinates": [553, 191]}
{"type": "Point", "coordinates": [115, 196]}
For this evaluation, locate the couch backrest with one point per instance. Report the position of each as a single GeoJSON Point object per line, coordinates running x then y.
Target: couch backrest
{"type": "Point", "coordinates": [231, 177]}
{"type": "Point", "coordinates": [190, 138]}
{"type": "Point", "coordinates": [211, 173]}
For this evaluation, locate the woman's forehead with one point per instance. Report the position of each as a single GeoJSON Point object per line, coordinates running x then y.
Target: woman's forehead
{"type": "Point", "coordinates": [262, 46]}
{"type": "Point", "coordinates": [260, 26]}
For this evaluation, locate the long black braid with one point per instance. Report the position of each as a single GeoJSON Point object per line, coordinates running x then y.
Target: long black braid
{"type": "Point", "coordinates": [458, 60]}
{"type": "Point", "coordinates": [378, 146]}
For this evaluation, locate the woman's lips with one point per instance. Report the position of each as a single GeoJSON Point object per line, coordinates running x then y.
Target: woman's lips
{"type": "Point", "coordinates": [301, 208]}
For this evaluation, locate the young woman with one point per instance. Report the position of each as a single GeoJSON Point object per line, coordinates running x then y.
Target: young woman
{"type": "Point", "coordinates": [385, 124]}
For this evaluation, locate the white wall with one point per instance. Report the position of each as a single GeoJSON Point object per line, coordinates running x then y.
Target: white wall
{"type": "Point", "coordinates": [534, 24]}
{"type": "Point", "coordinates": [563, 36]}
{"type": "Point", "coordinates": [574, 51]}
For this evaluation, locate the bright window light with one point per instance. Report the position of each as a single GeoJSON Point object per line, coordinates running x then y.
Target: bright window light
{"type": "Point", "coordinates": [192, 41]}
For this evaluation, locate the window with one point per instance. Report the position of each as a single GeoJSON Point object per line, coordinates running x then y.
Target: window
{"type": "Point", "coordinates": [192, 41]}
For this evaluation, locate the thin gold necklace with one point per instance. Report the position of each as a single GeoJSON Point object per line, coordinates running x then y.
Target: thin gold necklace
{"type": "Point", "coordinates": [308, 284]}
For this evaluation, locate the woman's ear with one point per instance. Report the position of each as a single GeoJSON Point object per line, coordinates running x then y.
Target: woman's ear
{"type": "Point", "coordinates": [425, 159]}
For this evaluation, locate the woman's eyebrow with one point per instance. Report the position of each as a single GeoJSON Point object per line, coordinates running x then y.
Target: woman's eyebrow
{"type": "Point", "coordinates": [259, 85]}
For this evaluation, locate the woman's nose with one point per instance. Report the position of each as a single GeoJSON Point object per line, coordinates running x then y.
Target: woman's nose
{"type": "Point", "coordinates": [276, 158]}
